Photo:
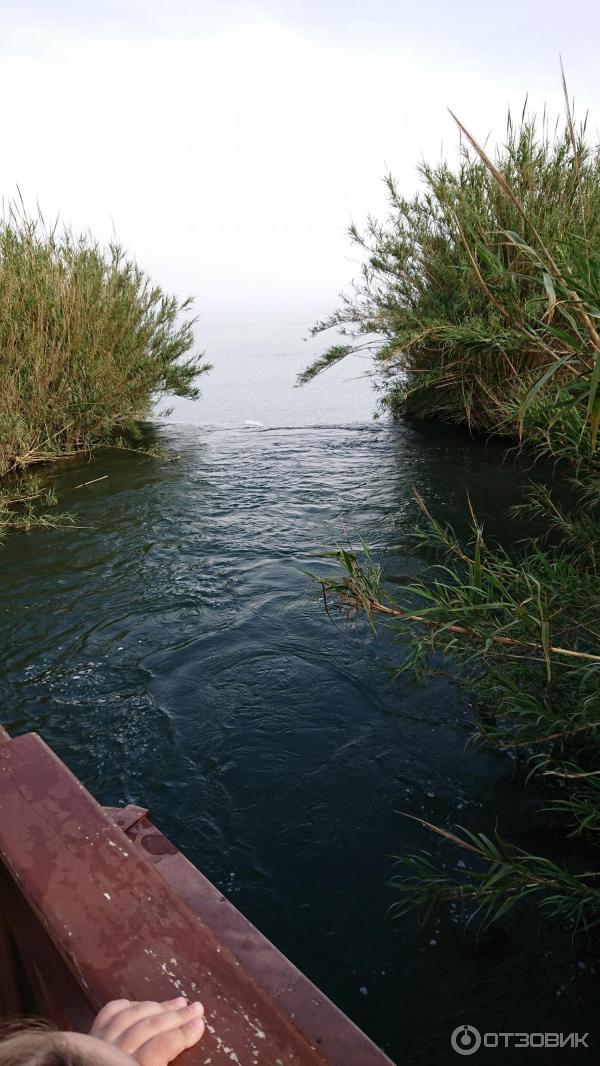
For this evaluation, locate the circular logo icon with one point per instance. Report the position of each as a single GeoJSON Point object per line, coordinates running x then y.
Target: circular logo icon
{"type": "Point", "coordinates": [466, 1040]}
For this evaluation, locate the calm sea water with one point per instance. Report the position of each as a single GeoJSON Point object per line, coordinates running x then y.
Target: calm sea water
{"type": "Point", "coordinates": [174, 652]}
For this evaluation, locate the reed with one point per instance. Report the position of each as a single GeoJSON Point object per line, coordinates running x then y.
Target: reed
{"type": "Point", "coordinates": [521, 629]}
{"type": "Point", "coordinates": [449, 300]}
{"type": "Point", "coordinates": [88, 344]}
{"type": "Point", "coordinates": [506, 251]}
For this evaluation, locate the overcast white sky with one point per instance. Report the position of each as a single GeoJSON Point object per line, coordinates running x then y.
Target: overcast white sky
{"type": "Point", "coordinates": [229, 144]}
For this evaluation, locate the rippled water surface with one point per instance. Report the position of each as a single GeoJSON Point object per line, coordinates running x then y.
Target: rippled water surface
{"type": "Point", "coordinates": [174, 652]}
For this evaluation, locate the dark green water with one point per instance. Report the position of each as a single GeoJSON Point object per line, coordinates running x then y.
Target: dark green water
{"type": "Point", "coordinates": [174, 654]}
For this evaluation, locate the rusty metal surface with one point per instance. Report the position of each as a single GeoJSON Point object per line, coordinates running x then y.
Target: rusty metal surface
{"type": "Point", "coordinates": [119, 924]}
{"type": "Point", "coordinates": [336, 1037]}
{"type": "Point", "coordinates": [38, 981]}
{"type": "Point", "coordinates": [13, 994]}
{"type": "Point", "coordinates": [126, 817]}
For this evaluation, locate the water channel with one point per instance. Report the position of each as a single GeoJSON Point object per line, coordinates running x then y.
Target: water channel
{"type": "Point", "coordinates": [173, 651]}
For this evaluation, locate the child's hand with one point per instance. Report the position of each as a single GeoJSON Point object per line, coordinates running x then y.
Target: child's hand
{"type": "Point", "coordinates": [152, 1033]}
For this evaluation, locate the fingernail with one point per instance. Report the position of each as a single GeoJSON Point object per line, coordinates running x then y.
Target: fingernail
{"type": "Point", "coordinates": [196, 1008]}
{"type": "Point", "coordinates": [178, 999]}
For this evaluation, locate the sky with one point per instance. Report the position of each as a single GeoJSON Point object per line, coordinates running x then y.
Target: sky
{"type": "Point", "coordinates": [229, 145]}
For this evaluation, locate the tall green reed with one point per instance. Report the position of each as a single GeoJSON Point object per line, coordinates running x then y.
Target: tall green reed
{"type": "Point", "coordinates": [521, 626]}
{"type": "Point", "coordinates": [449, 300]}
{"type": "Point", "coordinates": [88, 343]}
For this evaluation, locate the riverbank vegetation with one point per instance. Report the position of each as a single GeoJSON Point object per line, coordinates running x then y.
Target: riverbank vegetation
{"type": "Point", "coordinates": [88, 345]}
{"type": "Point", "coordinates": [449, 300]}
{"type": "Point", "coordinates": [486, 292]}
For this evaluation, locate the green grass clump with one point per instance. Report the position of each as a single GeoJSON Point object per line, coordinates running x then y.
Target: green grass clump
{"type": "Point", "coordinates": [449, 300]}
{"type": "Point", "coordinates": [87, 345]}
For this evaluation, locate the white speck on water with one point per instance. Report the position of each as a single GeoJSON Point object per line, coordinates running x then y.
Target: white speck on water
{"type": "Point", "coordinates": [364, 991]}
{"type": "Point", "coordinates": [106, 895]}
{"type": "Point", "coordinates": [432, 943]}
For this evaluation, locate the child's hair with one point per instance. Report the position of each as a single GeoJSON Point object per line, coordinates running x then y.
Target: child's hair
{"type": "Point", "coordinates": [35, 1043]}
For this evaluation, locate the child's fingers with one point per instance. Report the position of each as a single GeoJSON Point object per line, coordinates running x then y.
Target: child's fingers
{"type": "Point", "coordinates": [108, 1012]}
{"type": "Point", "coordinates": [167, 1046]}
{"type": "Point", "coordinates": [152, 1026]}
{"type": "Point", "coordinates": [128, 1016]}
